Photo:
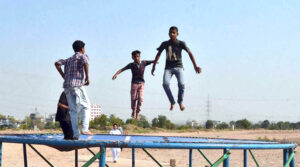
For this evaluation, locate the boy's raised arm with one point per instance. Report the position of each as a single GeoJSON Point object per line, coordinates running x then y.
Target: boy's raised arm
{"type": "Point", "coordinates": [86, 71]}
{"type": "Point", "coordinates": [117, 73]}
{"type": "Point", "coordinates": [155, 62]}
{"type": "Point", "coordinates": [58, 67]}
{"type": "Point", "coordinates": [197, 69]}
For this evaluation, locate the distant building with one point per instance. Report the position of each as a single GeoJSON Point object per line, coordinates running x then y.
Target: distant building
{"type": "Point", "coordinates": [95, 111]}
{"type": "Point", "coordinates": [51, 118]}
{"type": "Point", "coordinates": [37, 116]}
{"type": "Point", "coordinates": [195, 123]}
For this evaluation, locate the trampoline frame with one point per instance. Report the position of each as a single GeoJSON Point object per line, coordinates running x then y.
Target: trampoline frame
{"type": "Point", "coordinates": [288, 148]}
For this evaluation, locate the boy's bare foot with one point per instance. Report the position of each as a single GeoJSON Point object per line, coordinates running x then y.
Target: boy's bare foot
{"type": "Point", "coordinates": [137, 116]}
{"type": "Point", "coordinates": [133, 114]}
{"type": "Point", "coordinates": [87, 133]}
{"type": "Point", "coordinates": [172, 107]}
{"type": "Point", "coordinates": [181, 107]}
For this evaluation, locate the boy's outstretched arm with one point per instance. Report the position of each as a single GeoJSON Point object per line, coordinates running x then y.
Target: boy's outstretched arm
{"type": "Point", "coordinates": [155, 62]}
{"type": "Point", "coordinates": [86, 71]}
{"type": "Point", "coordinates": [197, 69]}
{"type": "Point", "coordinates": [58, 67]}
{"type": "Point", "coordinates": [117, 73]}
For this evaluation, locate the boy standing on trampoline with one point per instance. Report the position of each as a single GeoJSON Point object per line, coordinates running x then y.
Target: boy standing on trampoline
{"type": "Point", "coordinates": [137, 82]}
{"type": "Point", "coordinates": [174, 65]}
{"type": "Point", "coordinates": [75, 68]}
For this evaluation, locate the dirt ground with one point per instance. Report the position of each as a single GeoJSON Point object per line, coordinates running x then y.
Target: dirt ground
{"type": "Point", "coordinates": [12, 155]}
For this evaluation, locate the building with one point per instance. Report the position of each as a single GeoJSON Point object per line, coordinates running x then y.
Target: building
{"type": "Point", "coordinates": [95, 111]}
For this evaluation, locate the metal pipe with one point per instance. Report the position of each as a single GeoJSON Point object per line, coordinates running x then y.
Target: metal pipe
{"type": "Point", "coordinates": [45, 159]}
{"type": "Point", "coordinates": [205, 157]}
{"type": "Point", "coordinates": [102, 157]}
{"type": "Point", "coordinates": [133, 157]}
{"type": "Point", "coordinates": [245, 158]}
{"type": "Point", "coordinates": [191, 158]}
{"type": "Point", "coordinates": [254, 158]}
{"type": "Point", "coordinates": [226, 161]}
{"type": "Point", "coordinates": [292, 163]}
{"type": "Point", "coordinates": [25, 155]}
{"type": "Point", "coordinates": [152, 157]}
{"type": "Point", "coordinates": [285, 156]}
{"type": "Point", "coordinates": [76, 158]}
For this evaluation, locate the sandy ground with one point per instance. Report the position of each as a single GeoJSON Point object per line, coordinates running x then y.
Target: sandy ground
{"type": "Point", "coordinates": [13, 153]}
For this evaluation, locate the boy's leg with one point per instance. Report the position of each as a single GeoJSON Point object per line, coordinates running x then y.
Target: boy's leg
{"type": "Point", "coordinates": [72, 98]}
{"type": "Point", "coordinates": [66, 127]}
{"type": "Point", "coordinates": [140, 93]}
{"type": "Point", "coordinates": [133, 94]}
{"type": "Point", "coordinates": [179, 75]}
{"type": "Point", "coordinates": [85, 107]}
{"type": "Point", "coordinates": [166, 84]}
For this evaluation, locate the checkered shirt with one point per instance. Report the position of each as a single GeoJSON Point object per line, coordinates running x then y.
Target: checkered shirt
{"type": "Point", "coordinates": [73, 69]}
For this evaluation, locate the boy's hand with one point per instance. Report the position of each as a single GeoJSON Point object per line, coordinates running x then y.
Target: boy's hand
{"type": "Point", "coordinates": [152, 71]}
{"type": "Point", "coordinates": [87, 81]}
{"type": "Point", "coordinates": [197, 69]}
{"type": "Point", "coordinates": [114, 77]}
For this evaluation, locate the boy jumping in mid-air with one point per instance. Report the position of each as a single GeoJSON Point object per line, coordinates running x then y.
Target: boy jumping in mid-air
{"type": "Point", "coordinates": [174, 65]}
{"type": "Point", "coordinates": [75, 69]}
{"type": "Point", "coordinates": [137, 82]}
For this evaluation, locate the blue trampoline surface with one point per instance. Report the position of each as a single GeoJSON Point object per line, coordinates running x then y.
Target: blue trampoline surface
{"type": "Point", "coordinates": [104, 140]}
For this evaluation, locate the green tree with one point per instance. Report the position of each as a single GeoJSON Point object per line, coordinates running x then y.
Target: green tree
{"type": "Point", "coordinates": [99, 122]}
{"type": "Point", "coordinates": [265, 124]}
{"type": "Point", "coordinates": [115, 120]}
{"type": "Point", "coordinates": [132, 121]}
{"type": "Point", "coordinates": [209, 124]}
{"type": "Point", "coordinates": [143, 122]}
{"type": "Point", "coordinates": [155, 122]}
{"type": "Point", "coordinates": [222, 125]}
{"type": "Point", "coordinates": [243, 124]}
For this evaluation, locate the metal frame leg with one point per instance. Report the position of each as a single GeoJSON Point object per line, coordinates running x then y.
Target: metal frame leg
{"type": "Point", "coordinates": [133, 157]}
{"type": "Point", "coordinates": [0, 154]}
{"type": "Point", "coordinates": [191, 158]}
{"type": "Point", "coordinates": [226, 161]}
{"type": "Point", "coordinates": [25, 155]}
{"type": "Point", "coordinates": [285, 156]}
{"type": "Point", "coordinates": [292, 163]}
{"type": "Point", "coordinates": [76, 158]}
{"type": "Point", "coordinates": [245, 158]}
{"type": "Point", "coordinates": [102, 157]}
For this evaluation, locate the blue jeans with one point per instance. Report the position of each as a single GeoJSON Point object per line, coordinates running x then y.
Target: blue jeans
{"type": "Point", "coordinates": [166, 83]}
{"type": "Point", "coordinates": [78, 101]}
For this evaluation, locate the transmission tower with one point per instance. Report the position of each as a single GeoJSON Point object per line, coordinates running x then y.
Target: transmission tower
{"type": "Point", "coordinates": [208, 108]}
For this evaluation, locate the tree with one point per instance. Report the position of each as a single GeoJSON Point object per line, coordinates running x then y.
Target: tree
{"type": "Point", "coordinates": [243, 124]}
{"type": "Point", "coordinates": [99, 122]}
{"type": "Point", "coordinates": [132, 121]}
{"type": "Point", "coordinates": [155, 122]}
{"type": "Point", "coordinates": [209, 124]}
{"type": "Point", "coordinates": [115, 120]}
{"type": "Point", "coordinates": [143, 122]}
{"type": "Point", "coordinates": [265, 124]}
{"type": "Point", "coordinates": [222, 125]}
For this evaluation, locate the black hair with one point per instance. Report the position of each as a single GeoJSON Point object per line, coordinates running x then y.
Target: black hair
{"type": "Point", "coordinates": [173, 28]}
{"type": "Point", "coordinates": [115, 124]}
{"type": "Point", "coordinates": [78, 45]}
{"type": "Point", "coordinates": [135, 52]}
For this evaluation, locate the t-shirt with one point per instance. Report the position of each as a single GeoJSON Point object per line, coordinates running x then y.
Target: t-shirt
{"type": "Point", "coordinates": [173, 52]}
{"type": "Point", "coordinates": [137, 71]}
{"type": "Point", "coordinates": [62, 114]}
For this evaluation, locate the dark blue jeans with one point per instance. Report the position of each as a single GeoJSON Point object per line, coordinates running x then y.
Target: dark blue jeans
{"type": "Point", "coordinates": [178, 72]}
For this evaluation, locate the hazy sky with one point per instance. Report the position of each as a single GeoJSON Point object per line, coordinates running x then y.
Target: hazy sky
{"type": "Point", "coordinates": [248, 51]}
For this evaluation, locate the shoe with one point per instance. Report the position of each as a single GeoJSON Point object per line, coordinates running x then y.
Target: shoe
{"type": "Point", "coordinates": [115, 161]}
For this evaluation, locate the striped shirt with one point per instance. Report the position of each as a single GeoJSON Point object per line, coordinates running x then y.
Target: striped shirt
{"type": "Point", "coordinates": [73, 69]}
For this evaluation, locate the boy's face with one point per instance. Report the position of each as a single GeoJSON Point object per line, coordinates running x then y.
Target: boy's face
{"type": "Point", "coordinates": [115, 127]}
{"type": "Point", "coordinates": [136, 58]}
{"type": "Point", "coordinates": [173, 35]}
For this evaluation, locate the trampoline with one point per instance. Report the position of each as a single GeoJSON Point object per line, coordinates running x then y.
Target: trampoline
{"type": "Point", "coordinates": [104, 141]}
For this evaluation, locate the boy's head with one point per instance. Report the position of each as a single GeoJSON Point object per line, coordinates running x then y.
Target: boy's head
{"type": "Point", "coordinates": [136, 55]}
{"type": "Point", "coordinates": [173, 33]}
{"type": "Point", "coordinates": [115, 126]}
{"type": "Point", "coordinates": [78, 46]}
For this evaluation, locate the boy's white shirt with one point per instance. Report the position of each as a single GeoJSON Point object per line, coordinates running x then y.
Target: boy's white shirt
{"type": "Point", "coordinates": [115, 132]}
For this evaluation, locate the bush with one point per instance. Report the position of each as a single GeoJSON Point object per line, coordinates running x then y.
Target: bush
{"type": "Point", "coordinates": [209, 124]}
{"type": "Point", "coordinates": [222, 125]}
{"type": "Point", "coordinates": [243, 124]}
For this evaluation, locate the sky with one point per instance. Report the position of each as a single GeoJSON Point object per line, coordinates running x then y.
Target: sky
{"type": "Point", "coordinates": [248, 52]}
